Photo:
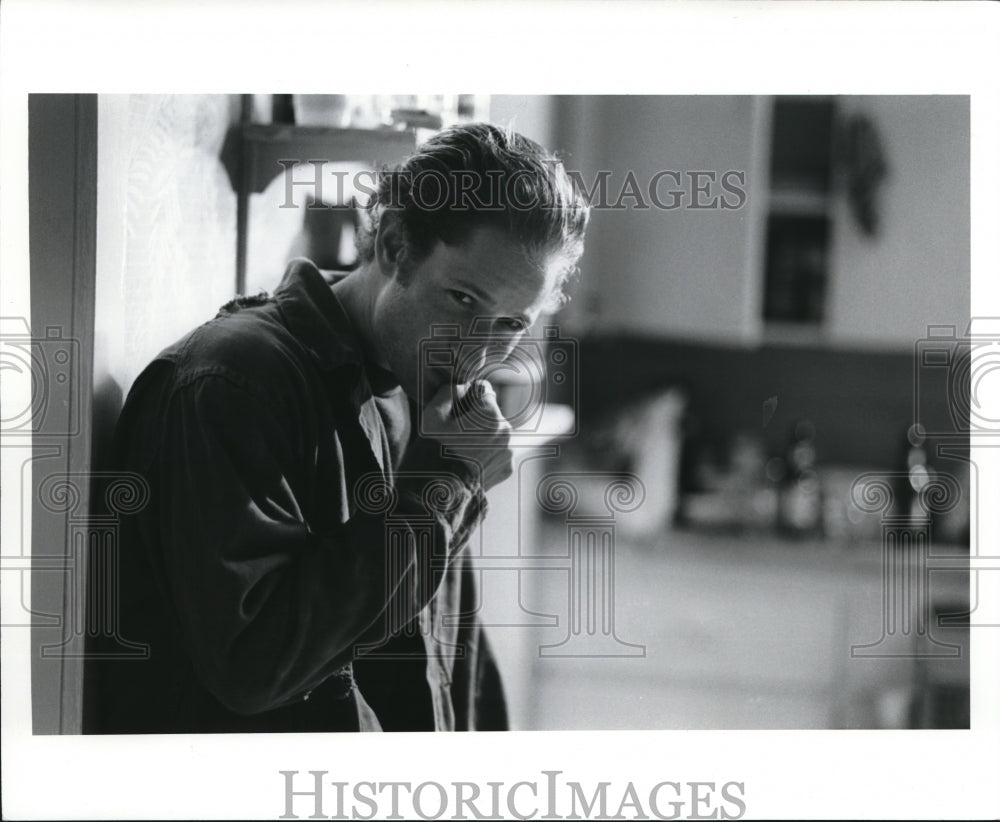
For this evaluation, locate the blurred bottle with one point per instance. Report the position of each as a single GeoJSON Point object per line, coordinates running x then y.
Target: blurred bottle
{"type": "Point", "coordinates": [953, 527]}
{"type": "Point", "coordinates": [800, 504]}
{"type": "Point", "coordinates": [327, 236]}
{"type": "Point", "coordinates": [916, 472]}
{"type": "Point", "coordinates": [694, 467]}
{"type": "Point", "coordinates": [749, 507]}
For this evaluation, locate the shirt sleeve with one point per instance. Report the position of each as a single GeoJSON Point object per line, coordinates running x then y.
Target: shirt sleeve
{"type": "Point", "coordinates": [268, 607]}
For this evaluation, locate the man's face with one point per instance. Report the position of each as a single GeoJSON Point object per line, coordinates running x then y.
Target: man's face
{"type": "Point", "coordinates": [485, 286]}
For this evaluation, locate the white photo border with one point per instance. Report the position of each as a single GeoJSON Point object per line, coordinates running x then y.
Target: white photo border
{"type": "Point", "coordinates": [507, 48]}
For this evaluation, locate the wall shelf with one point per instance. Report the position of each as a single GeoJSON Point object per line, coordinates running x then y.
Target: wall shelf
{"type": "Point", "coordinates": [251, 155]}
{"type": "Point", "coordinates": [253, 151]}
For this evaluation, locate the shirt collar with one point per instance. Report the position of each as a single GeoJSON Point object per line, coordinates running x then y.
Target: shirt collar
{"type": "Point", "coordinates": [317, 317]}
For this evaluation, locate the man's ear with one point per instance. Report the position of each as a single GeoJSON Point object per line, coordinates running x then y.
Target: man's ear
{"type": "Point", "coordinates": [390, 243]}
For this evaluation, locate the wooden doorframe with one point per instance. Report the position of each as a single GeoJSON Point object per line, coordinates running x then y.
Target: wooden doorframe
{"type": "Point", "coordinates": [62, 225]}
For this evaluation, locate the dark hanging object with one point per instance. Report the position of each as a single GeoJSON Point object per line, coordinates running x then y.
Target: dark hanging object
{"type": "Point", "coordinates": [323, 235]}
{"type": "Point", "coordinates": [865, 168]}
{"type": "Point", "coordinates": [282, 109]}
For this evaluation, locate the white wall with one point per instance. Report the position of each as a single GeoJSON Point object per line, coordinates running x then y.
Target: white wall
{"type": "Point", "coordinates": [530, 115]}
{"type": "Point", "coordinates": [886, 290]}
{"type": "Point", "coordinates": [698, 275]}
{"type": "Point", "coordinates": [681, 272]}
{"type": "Point", "coordinates": [166, 230]}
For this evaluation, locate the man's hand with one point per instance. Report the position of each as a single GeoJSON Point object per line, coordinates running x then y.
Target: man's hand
{"type": "Point", "coordinates": [468, 419]}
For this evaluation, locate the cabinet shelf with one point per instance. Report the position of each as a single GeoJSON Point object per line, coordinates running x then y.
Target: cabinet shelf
{"type": "Point", "coordinates": [799, 202]}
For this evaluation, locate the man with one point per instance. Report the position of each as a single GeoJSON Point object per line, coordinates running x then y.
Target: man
{"type": "Point", "coordinates": [313, 480]}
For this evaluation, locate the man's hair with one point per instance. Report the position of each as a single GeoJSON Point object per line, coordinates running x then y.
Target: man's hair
{"type": "Point", "coordinates": [475, 175]}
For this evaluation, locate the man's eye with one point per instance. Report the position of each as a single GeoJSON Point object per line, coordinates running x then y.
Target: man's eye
{"type": "Point", "coordinates": [462, 298]}
{"type": "Point", "coordinates": [515, 325]}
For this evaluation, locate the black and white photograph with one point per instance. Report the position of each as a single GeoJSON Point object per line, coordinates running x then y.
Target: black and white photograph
{"type": "Point", "coordinates": [640, 426]}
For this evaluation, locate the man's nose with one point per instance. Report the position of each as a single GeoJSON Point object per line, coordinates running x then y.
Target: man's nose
{"type": "Point", "coordinates": [489, 352]}
{"type": "Point", "coordinates": [502, 342]}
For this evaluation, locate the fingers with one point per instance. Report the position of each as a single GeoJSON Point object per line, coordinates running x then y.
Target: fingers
{"type": "Point", "coordinates": [477, 409]}
{"type": "Point", "coordinates": [468, 415]}
{"type": "Point", "coordinates": [468, 411]}
{"type": "Point", "coordinates": [481, 401]}
{"type": "Point", "coordinates": [464, 398]}
{"type": "Point", "coordinates": [482, 391]}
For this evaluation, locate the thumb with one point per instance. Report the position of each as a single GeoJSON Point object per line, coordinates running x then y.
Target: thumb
{"type": "Point", "coordinates": [482, 391]}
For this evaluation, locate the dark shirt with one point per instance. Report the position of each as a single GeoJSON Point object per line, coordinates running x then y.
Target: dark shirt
{"type": "Point", "coordinates": [299, 564]}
